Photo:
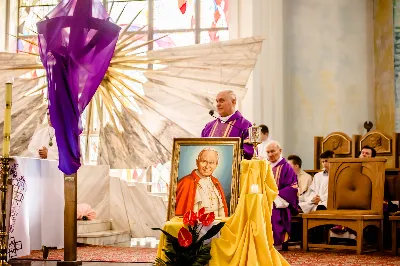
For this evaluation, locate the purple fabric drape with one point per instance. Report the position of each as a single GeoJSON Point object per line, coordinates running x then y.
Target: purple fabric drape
{"type": "Point", "coordinates": [76, 44]}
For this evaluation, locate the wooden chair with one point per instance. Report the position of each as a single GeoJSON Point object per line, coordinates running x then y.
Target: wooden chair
{"type": "Point", "coordinates": [297, 220]}
{"type": "Point", "coordinates": [355, 196]}
{"type": "Point", "coordinates": [392, 193]}
{"type": "Point", "coordinates": [395, 220]}
{"type": "Point", "coordinates": [340, 143]}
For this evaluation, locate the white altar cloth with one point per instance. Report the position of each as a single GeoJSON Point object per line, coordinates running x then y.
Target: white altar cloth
{"type": "Point", "coordinates": [37, 210]}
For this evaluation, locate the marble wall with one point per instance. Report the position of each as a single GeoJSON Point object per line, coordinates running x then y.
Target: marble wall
{"type": "Point", "coordinates": [94, 189]}
{"type": "Point", "coordinates": [134, 208]}
{"type": "Point", "coordinates": [328, 71]}
{"type": "Point", "coordinates": [131, 208]}
{"type": "Point", "coordinates": [315, 74]}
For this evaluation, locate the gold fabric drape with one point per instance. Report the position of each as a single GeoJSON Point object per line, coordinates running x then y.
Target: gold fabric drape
{"type": "Point", "coordinates": [246, 238]}
{"type": "Point", "coordinates": [172, 226]}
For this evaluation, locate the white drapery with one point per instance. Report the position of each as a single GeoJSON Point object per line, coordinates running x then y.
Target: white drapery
{"type": "Point", "coordinates": [37, 210]}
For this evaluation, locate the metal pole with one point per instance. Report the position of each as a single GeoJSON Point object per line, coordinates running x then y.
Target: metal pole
{"type": "Point", "coordinates": [5, 168]}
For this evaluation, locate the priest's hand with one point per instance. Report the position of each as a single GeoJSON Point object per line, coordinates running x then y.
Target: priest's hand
{"type": "Point", "coordinates": [316, 200]}
{"type": "Point", "coordinates": [43, 153]}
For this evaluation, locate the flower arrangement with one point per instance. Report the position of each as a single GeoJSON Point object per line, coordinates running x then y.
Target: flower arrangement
{"type": "Point", "coordinates": [85, 212]}
{"type": "Point", "coordinates": [189, 248]}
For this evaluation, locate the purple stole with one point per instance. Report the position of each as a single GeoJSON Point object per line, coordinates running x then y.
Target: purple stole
{"type": "Point", "coordinates": [286, 180]}
{"type": "Point", "coordinates": [234, 127]}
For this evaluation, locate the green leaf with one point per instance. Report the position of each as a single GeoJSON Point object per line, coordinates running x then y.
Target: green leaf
{"type": "Point", "coordinates": [212, 232]}
{"type": "Point", "coordinates": [168, 235]}
{"type": "Point", "coordinates": [159, 262]}
{"type": "Point", "coordinates": [195, 234]}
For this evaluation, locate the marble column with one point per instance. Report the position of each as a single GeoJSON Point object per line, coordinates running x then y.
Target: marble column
{"type": "Point", "coordinates": [3, 18]}
{"type": "Point", "coordinates": [384, 89]}
{"type": "Point", "coordinates": [8, 25]}
{"type": "Point", "coordinates": [263, 102]}
{"type": "Point", "coordinates": [11, 42]}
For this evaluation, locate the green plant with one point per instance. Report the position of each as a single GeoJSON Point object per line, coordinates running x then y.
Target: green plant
{"type": "Point", "coordinates": [189, 248]}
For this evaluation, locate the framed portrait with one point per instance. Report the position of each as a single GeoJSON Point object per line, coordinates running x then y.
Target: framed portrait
{"type": "Point", "coordinates": [204, 173]}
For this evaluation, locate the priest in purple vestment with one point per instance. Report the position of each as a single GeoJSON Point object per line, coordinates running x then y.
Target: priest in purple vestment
{"type": "Point", "coordinates": [230, 123]}
{"type": "Point", "coordinates": [285, 204]}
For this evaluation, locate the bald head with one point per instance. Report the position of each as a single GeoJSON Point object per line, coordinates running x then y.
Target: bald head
{"type": "Point", "coordinates": [226, 102]}
{"type": "Point", "coordinates": [207, 161]}
{"type": "Point", "coordinates": [274, 151]}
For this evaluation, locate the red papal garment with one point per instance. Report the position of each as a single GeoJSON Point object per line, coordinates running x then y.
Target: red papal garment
{"type": "Point", "coordinates": [186, 193]}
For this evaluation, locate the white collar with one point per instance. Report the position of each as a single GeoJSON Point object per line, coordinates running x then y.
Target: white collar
{"type": "Point", "coordinates": [275, 163]}
{"type": "Point", "coordinates": [223, 119]}
{"type": "Point", "coordinates": [200, 175]}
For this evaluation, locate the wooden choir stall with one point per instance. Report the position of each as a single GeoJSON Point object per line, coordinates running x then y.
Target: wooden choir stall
{"type": "Point", "coordinates": [355, 200]}
{"type": "Point", "coordinates": [347, 149]}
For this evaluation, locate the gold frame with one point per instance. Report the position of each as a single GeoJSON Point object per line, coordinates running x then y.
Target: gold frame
{"type": "Point", "coordinates": [178, 142]}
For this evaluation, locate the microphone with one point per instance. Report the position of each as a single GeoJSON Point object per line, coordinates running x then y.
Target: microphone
{"type": "Point", "coordinates": [241, 131]}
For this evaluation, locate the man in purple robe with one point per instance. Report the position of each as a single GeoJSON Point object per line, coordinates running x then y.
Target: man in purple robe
{"type": "Point", "coordinates": [230, 123]}
{"type": "Point", "coordinates": [285, 204]}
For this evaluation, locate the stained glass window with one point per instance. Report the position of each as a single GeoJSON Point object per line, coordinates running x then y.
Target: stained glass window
{"type": "Point", "coordinates": [83, 145]}
{"type": "Point", "coordinates": [204, 21]}
{"type": "Point", "coordinates": [167, 15]}
{"type": "Point", "coordinates": [174, 39]}
{"type": "Point", "coordinates": [122, 12]}
{"type": "Point", "coordinates": [94, 142]}
{"type": "Point", "coordinates": [167, 18]}
{"type": "Point", "coordinates": [214, 36]}
{"type": "Point", "coordinates": [213, 14]}
{"type": "Point", "coordinates": [30, 12]}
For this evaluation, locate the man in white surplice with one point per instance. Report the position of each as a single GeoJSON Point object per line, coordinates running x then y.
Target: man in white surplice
{"type": "Point", "coordinates": [316, 197]}
{"type": "Point", "coordinates": [262, 148]}
{"type": "Point", "coordinates": [43, 144]}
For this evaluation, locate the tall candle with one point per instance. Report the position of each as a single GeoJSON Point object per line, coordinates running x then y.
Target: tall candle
{"type": "Point", "coordinates": [7, 120]}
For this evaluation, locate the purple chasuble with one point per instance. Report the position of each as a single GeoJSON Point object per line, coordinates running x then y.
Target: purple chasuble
{"type": "Point", "coordinates": [76, 43]}
{"type": "Point", "coordinates": [286, 180]}
{"type": "Point", "coordinates": [240, 124]}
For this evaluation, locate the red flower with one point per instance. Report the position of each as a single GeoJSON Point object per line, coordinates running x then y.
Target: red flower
{"type": "Point", "coordinates": [207, 219]}
{"type": "Point", "coordinates": [190, 218]}
{"type": "Point", "coordinates": [201, 212]}
{"type": "Point", "coordinates": [184, 237]}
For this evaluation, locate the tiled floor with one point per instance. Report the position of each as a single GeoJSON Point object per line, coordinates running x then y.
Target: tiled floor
{"type": "Point", "coordinates": [54, 263]}
{"type": "Point", "coordinates": [148, 242]}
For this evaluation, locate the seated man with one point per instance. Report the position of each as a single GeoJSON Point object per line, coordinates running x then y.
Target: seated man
{"type": "Point", "coordinates": [43, 144]}
{"type": "Point", "coordinates": [285, 204]}
{"type": "Point", "coordinates": [367, 152]}
{"type": "Point", "coordinates": [316, 196]}
{"type": "Point", "coordinates": [304, 180]}
{"type": "Point", "coordinates": [344, 233]}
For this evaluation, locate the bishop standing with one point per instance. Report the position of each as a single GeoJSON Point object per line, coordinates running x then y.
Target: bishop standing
{"type": "Point", "coordinates": [230, 122]}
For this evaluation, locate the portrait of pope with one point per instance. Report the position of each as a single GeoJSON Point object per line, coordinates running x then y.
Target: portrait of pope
{"type": "Point", "coordinates": [201, 188]}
